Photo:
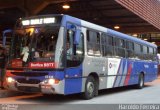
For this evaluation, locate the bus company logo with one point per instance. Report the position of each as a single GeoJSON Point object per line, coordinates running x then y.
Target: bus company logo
{"type": "Point", "coordinates": [110, 65]}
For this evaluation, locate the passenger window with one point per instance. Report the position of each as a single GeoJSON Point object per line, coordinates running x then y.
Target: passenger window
{"type": "Point", "coordinates": [93, 43]}
{"type": "Point", "coordinates": [145, 53]}
{"type": "Point", "coordinates": [119, 47]}
{"type": "Point", "coordinates": [129, 49]}
{"type": "Point", "coordinates": [137, 51]}
{"type": "Point", "coordinates": [107, 45]}
{"type": "Point", "coordinates": [151, 54]}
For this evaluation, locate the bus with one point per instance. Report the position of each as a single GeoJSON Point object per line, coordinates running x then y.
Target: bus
{"type": "Point", "coordinates": [61, 54]}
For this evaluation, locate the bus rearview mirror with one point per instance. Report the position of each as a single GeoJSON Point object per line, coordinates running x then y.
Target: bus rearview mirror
{"type": "Point", "coordinates": [77, 37]}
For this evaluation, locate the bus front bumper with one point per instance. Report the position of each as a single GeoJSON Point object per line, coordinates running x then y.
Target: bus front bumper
{"type": "Point", "coordinates": [44, 88]}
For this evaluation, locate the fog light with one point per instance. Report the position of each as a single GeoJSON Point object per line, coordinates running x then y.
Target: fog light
{"type": "Point", "coordinates": [10, 80]}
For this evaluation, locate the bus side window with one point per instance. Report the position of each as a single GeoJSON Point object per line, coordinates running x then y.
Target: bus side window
{"type": "Point", "coordinates": [129, 49]}
{"type": "Point", "coordinates": [151, 53]}
{"type": "Point", "coordinates": [75, 52]}
{"type": "Point", "coordinates": [155, 54]}
{"type": "Point", "coordinates": [145, 52]}
{"type": "Point", "coordinates": [93, 43]}
{"type": "Point", "coordinates": [103, 43]}
{"type": "Point", "coordinates": [107, 45]}
{"type": "Point", "coordinates": [137, 50]}
{"type": "Point", "coordinates": [119, 47]}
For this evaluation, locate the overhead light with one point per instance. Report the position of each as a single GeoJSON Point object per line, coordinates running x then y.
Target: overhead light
{"type": "Point", "coordinates": [145, 39]}
{"type": "Point", "coordinates": [116, 27]}
{"type": "Point", "coordinates": [153, 42]}
{"type": "Point", "coordinates": [135, 35]}
{"type": "Point", "coordinates": [66, 6]}
{"type": "Point", "coordinates": [95, 19]}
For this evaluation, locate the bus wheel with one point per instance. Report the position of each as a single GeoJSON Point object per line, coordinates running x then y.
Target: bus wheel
{"type": "Point", "coordinates": [140, 84]}
{"type": "Point", "coordinates": [90, 88]}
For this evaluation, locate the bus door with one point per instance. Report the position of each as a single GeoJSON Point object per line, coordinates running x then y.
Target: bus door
{"type": "Point", "coordinates": [74, 47]}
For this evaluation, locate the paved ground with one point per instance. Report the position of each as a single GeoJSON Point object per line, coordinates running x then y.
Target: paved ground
{"type": "Point", "coordinates": [126, 95]}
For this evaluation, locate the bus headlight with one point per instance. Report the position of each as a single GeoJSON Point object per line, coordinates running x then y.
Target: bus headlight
{"type": "Point", "coordinates": [51, 81]}
{"type": "Point", "coordinates": [10, 80]}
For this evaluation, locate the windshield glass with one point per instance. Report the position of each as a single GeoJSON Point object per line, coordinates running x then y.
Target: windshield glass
{"type": "Point", "coordinates": [35, 44]}
{"type": "Point", "coordinates": [44, 43]}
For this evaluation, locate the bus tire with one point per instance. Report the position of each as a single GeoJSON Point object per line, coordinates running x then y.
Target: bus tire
{"type": "Point", "coordinates": [90, 88]}
{"type": "Point", "coordinates": [140, 84]}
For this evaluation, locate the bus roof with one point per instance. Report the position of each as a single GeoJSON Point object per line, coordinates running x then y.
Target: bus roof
{"type": "Point", "coordinates": [107, 30]}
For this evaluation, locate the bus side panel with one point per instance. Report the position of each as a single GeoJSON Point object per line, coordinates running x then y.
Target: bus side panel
{"type": "Point", "coordinates": [115, 66]}
{"type": "Point", "coordinates": [121, 73]}
{"type": "Point", "coordinates": [137, 68]}
{"type": "Point", "coordinates": [73, 80]}
{"type": "Point", "coordinates": [127, 73]}
{"type": "Point", "coordinates": [123, 77]}
{"type": "Point", "coordinates": [148, 68]}
{"type": "Point", "coordinates": [151, 73]}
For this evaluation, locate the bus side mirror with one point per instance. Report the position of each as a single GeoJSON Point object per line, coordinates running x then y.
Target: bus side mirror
{"type": "Point", "coordinates": [4, 35]}
{"type": "Point", "coordinates": [77, 37]}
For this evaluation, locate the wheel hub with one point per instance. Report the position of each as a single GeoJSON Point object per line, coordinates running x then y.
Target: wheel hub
{"type": "Point", "coordinates": [90, 88]}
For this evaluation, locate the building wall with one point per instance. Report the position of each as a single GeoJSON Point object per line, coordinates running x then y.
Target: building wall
{"type": "Point", "coordinates": [148, 10]}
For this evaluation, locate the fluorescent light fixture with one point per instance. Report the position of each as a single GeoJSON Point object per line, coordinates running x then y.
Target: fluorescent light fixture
{"type": "Point", "coordinates": [135, 35]}
{"type": "Point", "coordinates": [145, 39]}
{"type": "Point", "coordinates": [66, 6]}
{"type": "Point", "coordinates": [116, 27]}
{"type": "Point", "coordinates": [153, 42]}
{"type": "Point", "coordinates": [48, 20]}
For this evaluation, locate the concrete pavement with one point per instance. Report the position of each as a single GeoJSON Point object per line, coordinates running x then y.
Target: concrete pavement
{"type": "Point", "coordinates": [6, 93]}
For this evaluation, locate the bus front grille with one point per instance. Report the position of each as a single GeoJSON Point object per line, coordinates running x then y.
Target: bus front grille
{"type": "Point", "coordinates": [28, 81]}
{"type": "Point", "coordinates": [30, 74]}
{"type": "Point", "coordinates": [28, 89]}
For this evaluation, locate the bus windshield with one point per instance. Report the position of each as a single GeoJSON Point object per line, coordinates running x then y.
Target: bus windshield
{"type": "Point", "coordinates": [36, 44]}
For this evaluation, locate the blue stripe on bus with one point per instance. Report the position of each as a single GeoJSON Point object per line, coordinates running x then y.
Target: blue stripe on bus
{"type": "Point", "coordinates": [57, 74]}
{"type": "Point", "coordinates": [73, 80]}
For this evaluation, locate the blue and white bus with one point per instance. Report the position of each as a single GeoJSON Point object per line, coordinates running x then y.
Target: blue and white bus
{"type": "Point", "coordinates": [60, 54]}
